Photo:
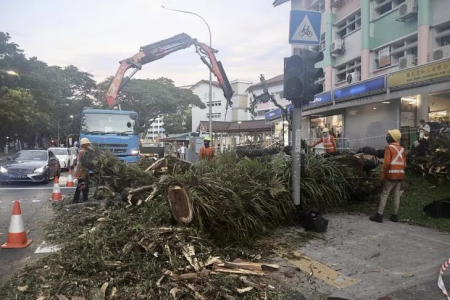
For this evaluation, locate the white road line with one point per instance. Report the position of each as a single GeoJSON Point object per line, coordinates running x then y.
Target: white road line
{"type": "Point", "coordinates": [35, 200]}
{"type": "Point", "coordinates": [35, 188]}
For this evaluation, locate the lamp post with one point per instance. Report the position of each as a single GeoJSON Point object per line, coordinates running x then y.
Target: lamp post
{"type": "Point", "coordinates": [239, 124]}
{"type": "Point", "coordinates": [7, 145]}
{"type": "Point", "coordinates": [210, 73]}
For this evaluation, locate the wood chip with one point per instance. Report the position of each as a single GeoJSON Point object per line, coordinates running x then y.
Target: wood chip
{"type": "Point", "coordinates": [244, 290]}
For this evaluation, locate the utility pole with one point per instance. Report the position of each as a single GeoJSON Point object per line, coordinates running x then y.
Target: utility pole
{"type": "Point", "coordinates": [300, 75]}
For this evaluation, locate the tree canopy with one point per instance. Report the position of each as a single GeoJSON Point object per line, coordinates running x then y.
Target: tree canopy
{"type": "Point", "coordinates": [35, 97]}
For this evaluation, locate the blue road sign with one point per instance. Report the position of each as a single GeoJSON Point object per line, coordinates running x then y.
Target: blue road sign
{"type": "Point", "coordinates": [304, 27]}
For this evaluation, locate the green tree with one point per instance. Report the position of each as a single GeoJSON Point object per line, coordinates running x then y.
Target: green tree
{"type": "Point", "coordinates": [58, 92]}
{"type": "Point", "coordinates": [179, 122]}
{"type": "Point", "coordinates": [152, 98]}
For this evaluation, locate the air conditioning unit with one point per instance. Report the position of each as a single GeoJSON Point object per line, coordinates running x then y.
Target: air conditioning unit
{"type": "Point", "coordinates": [337, 46]}
{"type": "Point", "coordinates": [353, 77]}
{"type": "Point", "coordinates": [407, 61]}
{"type": "Point", "coordinates": [407, 10]}
{"type": "Point", "coordinates": [336, 3]}
{"type": "Point", "coordinates": [439, 53]}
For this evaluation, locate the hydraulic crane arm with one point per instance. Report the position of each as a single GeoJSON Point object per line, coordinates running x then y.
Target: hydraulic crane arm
{"type": "Point", "coordinates": [159, 50]}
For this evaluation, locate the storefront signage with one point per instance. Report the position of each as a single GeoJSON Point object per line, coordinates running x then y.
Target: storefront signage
{"type": "Point", "coordinates": [359, 89]}
{"type": "Point", "coordinates": [320, 99]}
{"type": "Point", "coordinates": [416, 75]}
{"type": "Point", "coordinates": [276, 113]}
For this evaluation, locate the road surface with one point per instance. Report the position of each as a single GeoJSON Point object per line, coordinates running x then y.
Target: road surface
{"type": "Point", "coordinates": [36, 211]}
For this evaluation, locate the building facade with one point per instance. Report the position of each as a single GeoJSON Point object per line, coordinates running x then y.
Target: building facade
{"type": "Point", "coordinates": [220, 110]}
{"type": "Point", "coordinates": [386, 65]}
{"type": "Point", "coordinates": [156, 129]}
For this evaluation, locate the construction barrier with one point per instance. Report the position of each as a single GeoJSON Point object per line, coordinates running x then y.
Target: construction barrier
{"type": "Point", "coordinates": [17, 238]}
{"type": "Point", "coordinates": [56, 194]}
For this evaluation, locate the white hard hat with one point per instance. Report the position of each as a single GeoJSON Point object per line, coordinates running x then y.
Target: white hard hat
{"type": "Point", "coordinates": [84, 141]}
{"type": "Point", "coordinates": [325, 130]}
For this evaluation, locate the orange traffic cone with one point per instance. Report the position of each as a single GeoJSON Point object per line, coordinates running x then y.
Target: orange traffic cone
{"type": "Point", "coordinates": [70, 179]}
{"type": "Point", "coordinates": [17, 238]}
{"type": "Point", "coordinates": [56, 195]}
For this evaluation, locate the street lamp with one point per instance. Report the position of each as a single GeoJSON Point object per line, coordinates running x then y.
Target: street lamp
{"type": "Point", "coordinates": [239, 124]}
{"type": "Point", "coordinates": [210, 72]}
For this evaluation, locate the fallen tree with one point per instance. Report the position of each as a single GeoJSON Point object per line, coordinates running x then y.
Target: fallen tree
{"type": "Point", "coordinates": [176, 230]}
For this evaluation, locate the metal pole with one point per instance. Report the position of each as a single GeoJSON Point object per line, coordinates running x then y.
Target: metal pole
{"type": "Point", "coordinates": [210, 73]}
{"type": "Point", "coordinates": [57, 145]}
{"type": "Point", "coordinates": [296, 154]}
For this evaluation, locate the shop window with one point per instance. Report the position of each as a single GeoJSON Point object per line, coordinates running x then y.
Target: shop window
{"type": "Point", "coordinates": [382, 7]}
{"type": "Point", "coordinates": [318, 5]}
{"type": "Point", "coordinates": [349, 24]}
{"type": "Point", "coordinates": [349, 67]}
{"type": "Point", "coordinates": [389, 55]}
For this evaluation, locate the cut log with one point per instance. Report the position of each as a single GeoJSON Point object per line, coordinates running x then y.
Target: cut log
{"type": "Point", "coordinates": [180, 204]}
{"type": "Point", "coordinates": [251, 266]}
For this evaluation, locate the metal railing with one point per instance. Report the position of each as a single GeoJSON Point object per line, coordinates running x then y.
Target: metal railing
{"type": "Point", "coordinates": [341, 143]}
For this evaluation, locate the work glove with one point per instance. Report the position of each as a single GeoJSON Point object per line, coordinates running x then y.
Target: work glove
{"type": "Point", "coordinates": [75, 182]}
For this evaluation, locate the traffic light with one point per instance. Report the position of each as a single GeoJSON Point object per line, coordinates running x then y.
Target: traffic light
{"type": "Point", "coordinates": [300, 74]}
{"type": "Point", "coordinates": [312, 74]}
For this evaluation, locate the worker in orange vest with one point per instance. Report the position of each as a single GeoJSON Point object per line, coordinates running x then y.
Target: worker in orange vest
{"type": "Point", "coordinates": [392, 174]}
{"type": "Point", "coordinates": [329, 142]}
{"type": "Point", "coordinates": [206, 152]}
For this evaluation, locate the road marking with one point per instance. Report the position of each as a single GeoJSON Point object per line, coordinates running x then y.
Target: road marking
{"type": "Point", "coordinates": [62, 180]}
{"type": "Point", "coordinates": [35, 188]}
{"type": "Point", "coordinates": [317, 269]}
{"type": "Point", "coordinates": [35, 200]}
{"type": "Point", "coordinates": [47, 249]}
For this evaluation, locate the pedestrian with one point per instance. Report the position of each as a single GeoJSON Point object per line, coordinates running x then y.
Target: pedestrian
{"type": "Point", "coordinates": [392, 174]}
{"type": "Point", "coordinates": [81, 179]}
{"type": "Point", "coordinates": [423, 128]}
{"type": "Point", "coordinates": [206, 152]}
{"type": "Point", "coordinates": [182, 151]}
{"type": "Point", "coordinates": [329, 142]}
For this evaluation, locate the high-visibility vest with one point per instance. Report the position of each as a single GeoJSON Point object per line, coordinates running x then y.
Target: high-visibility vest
{"type": "Point", "coordinates": [397, 164]}
{"type": "Point", "coordinates": [328, 144]}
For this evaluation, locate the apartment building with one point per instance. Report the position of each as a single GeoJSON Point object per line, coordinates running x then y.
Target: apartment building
{"type": "Point", "coordinates": [156, 129]}
{"type": "Point", "coordinates": [220, 110]}
{"type": "Point", "coordinates": [386, 65]}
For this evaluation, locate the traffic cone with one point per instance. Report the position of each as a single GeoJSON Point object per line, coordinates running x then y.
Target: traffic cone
{"type": "Point", "coordinates": [17, 238]}
{"type": "Point", "coordinates": [56, 195]}
{"type": "Point", "coordinates": [70, 179]}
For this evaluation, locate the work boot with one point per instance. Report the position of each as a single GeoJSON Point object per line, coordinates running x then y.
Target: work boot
{"type": "Point", "coordinates": [377, 218]}
{"type": "Point", "coordinates": [394, 218]}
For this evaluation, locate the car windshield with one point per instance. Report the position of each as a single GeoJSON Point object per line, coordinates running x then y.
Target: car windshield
{"type": "Point", "coordinates": [108, 123]}
{"type": "Point", "coordinates": [30, 156]}
{"type": "Point", "coordinates": [58, 151]}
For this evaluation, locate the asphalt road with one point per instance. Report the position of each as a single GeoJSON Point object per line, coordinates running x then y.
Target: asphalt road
{"type": "Point", "coordinates": [36, 210]}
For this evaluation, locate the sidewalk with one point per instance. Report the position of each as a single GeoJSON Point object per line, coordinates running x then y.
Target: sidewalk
{"type": "Point", "coordinates": [387, 261]}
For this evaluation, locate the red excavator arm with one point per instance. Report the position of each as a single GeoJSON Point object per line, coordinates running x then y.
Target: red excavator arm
{"type": "Point", "coordinates": [160, 49]}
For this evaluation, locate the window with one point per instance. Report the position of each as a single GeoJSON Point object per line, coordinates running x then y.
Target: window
{"type": "Point", "coordinates": [214, 103]}
{"type": "Point", "coordinates": [390, 55]}
{"type": "Point", "coordinates": [348, 24]}
{"type": "Point", "coordinates": [349, 67]}
{"type": "Point", "coordinates": [320, 47]}
{"type": "Point", "coordinates": [382, 7]}
{"type": "Point", "coordinates": [214, 115]}
{"type": "Point", "coordinates": [262, 113]}
{"type": "Point", "coordinates": [442, 35]}
{"type": "Point", "coordinates": [318, 5]}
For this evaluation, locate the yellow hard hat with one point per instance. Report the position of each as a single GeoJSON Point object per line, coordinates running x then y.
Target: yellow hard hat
{"type": "Point", "coordinates": [84, 141]}
{"type": "Point", "coordinates": [395, 134]}
{"type": "Point", "coordinates": [207, 139]}
{"type": "Point", "coordinates": [325, 130]}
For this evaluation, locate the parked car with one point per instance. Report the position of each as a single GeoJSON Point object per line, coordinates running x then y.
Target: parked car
{"type": "Point", "coordinates": [63, 156]}
{"type": "Point", "coordinates": [30, 166]}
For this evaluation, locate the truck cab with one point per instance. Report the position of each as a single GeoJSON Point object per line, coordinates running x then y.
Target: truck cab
{"type": "Point", "coordinates": [115, 130]}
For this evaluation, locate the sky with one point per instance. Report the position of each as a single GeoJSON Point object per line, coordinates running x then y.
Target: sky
{"type": "Point", "coordinates": [94, 35]}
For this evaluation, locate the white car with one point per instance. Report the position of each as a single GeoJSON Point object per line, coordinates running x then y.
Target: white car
{"type": "Point", "coordinates": [73, 151]}
{"type": "Point", "coordinates": [63, 155]}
